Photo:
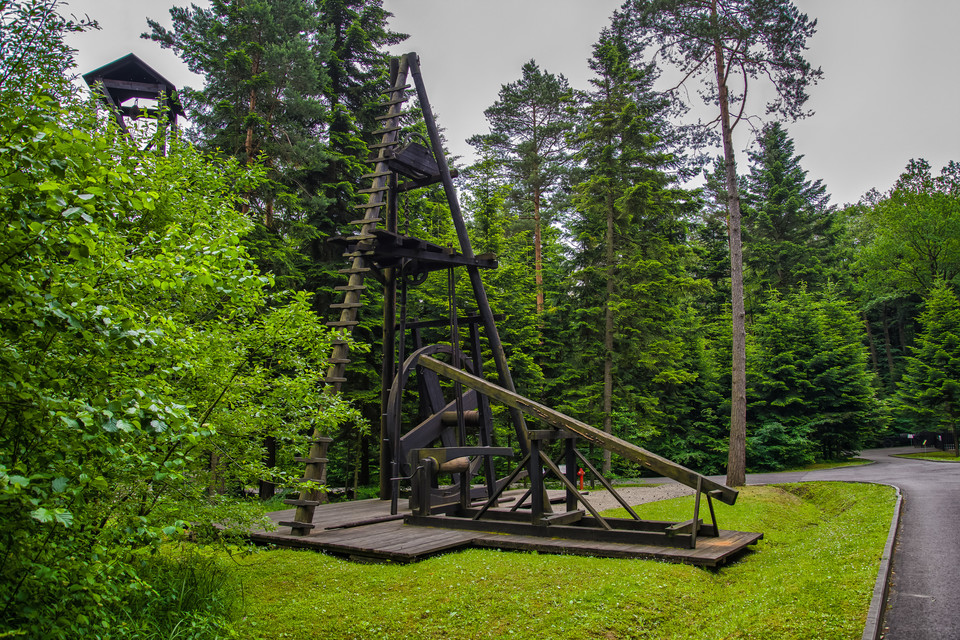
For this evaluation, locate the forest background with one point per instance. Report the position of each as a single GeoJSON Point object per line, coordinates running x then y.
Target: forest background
{"type": "Point", "coordinates": [165, 310]}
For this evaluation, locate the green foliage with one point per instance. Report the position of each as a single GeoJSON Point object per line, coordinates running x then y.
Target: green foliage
{"type": "Point", "coordinates": [757, 39]}
{"type": "Point", "coordinates": [32, 51]}
{"type": "Point", "coordinates": [809, 381]}
{"type": "Point", "coordinates": [632, 350]}
{"type": "Point", "coordinates": [773, 447]}
{"type": "Point", "coordinates": [930, 390]}
{"type": "Point", "coordinates": [788, 224]}
{"type": "Point", "coordinates": [910, 238]}
{"type": "Point", "coordinates": [135, 340]}
{"type": "Point", "coordinates": [263, 103]}
{"type": "Point", "coordinates": [180, 595]}
{"type": "Point", "coordinates": [528, 128]}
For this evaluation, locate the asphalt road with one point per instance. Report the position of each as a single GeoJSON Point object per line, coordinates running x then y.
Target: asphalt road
{"type": "Point", "coordinates": [924, 597]}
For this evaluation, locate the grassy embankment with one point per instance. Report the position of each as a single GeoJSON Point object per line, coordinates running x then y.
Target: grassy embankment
{"type": "Point", "coordinates": [939, 456]}
{"type": "Point", "coordinates": [811, 577]}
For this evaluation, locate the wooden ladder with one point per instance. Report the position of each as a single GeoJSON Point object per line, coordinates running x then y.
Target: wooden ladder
{"type": "Point", "coordinates": [374, 213]}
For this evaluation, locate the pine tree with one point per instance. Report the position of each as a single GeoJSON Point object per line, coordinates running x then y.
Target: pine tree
{"type": "Point", "coordinates": [788, 224]}
{"type": "Point", "coordinates": [930, 389]}
{"type": "Point", "coordinates": [528, 128]}
{"type": "Point", "coordinates": [262, 100]}
{"type": "Point", "coordinates": [722, 43]}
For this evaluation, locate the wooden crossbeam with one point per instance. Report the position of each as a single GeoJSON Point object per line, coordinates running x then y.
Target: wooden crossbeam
{"type": "Point", "coordinates": [650, 460]}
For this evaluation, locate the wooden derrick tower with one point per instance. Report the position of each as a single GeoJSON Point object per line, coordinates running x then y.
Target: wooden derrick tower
{"type": "Point", "coordinates": [453, 435]}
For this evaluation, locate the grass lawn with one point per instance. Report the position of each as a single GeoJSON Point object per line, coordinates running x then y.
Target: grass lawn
{"type": "Point", "coordinates": [939, 456]}
{"type": "Point", "coordinates": [811, 577]}
{"type": "Point", "coordinates": [852, 462]}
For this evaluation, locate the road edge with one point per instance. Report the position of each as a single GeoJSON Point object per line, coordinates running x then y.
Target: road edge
{"type": "Point", "coordinates": [873, 627]}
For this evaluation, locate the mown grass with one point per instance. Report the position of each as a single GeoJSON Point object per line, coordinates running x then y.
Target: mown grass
{"type": "Point", "coordinates": [939, 456]}
{"type": "Point", "coordinates": [811, 577]}
{"type": "Point", "coordinates": [833, 464]}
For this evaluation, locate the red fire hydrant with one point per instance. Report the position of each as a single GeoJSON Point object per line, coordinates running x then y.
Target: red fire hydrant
{"type": "Point", "coordinates": [580, 473]}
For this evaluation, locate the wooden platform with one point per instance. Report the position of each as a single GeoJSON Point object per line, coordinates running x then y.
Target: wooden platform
{"type": "Point", "coordinates": [392, 540]}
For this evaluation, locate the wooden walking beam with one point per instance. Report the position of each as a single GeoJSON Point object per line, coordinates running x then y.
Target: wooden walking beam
{"type": "Point", "coordinates": [650, 460]}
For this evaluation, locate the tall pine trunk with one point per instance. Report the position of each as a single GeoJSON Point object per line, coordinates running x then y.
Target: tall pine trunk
{"type": "Point", "coordinates": [538, 251]}
{"type": "Point", "coordinates": [608, 337]}
{"type": "Point", "coordinates": [737, 453]}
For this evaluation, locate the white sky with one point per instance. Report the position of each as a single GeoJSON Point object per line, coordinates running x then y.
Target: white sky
{"type": "Point", "coordinates": [890, 90]}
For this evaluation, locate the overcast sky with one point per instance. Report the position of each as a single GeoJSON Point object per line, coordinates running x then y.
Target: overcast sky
{"type": "Point", "coordinates": [890, 90]}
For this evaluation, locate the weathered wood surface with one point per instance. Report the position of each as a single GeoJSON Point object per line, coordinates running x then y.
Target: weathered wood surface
{"type": "Point", "coordinates": [337, 531]}
{"type": "Point", "coordinates": [652, 461]}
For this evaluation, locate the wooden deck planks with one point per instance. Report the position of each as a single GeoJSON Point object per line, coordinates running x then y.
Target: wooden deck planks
{"type": "Point", "coordinates": [395, 541]}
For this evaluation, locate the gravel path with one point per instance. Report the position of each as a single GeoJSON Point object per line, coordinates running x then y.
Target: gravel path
{"type": "Point", "coordinates": [602, 500]}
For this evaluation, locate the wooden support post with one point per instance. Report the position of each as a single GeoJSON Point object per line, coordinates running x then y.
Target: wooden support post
{"type": "Point", "coordinates": [535, 469]}
{"type": "Point", "coordinates": [570, 462]}
{"type": "Point", "coordinates": [696, 516]}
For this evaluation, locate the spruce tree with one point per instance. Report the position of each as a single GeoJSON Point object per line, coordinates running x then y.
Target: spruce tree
{"type": "Point", "coordinates": [708, 237]}
{"type": "Point", "coordinates": [930, 389]}
{"type": "Point", "coordinates": [788, 224]}
{"type": "Point", "coordinates": [357, 69]}
{"type": "Point", "coordinates": [630, 267]}
{"type": "Point", "coordinates": [810, 388]}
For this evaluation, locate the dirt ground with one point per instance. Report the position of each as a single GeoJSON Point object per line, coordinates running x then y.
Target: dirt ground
{"type": "Point", "coordinates": [601, 499]}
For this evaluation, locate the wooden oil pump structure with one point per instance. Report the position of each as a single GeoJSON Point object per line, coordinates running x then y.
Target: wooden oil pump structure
{"type": "Point", "coordinates": [453, 434]}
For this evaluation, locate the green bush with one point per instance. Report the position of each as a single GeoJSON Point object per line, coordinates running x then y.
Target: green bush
{"type": "Point", "coordinates": [180, 596]}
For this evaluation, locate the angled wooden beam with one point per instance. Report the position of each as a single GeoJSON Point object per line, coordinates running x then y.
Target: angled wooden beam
{"type": "Point", "coordinates": [652, 461]}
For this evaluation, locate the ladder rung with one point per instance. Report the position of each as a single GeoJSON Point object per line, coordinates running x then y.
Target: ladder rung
{"type": "Point", "coordinates": [399, 87]}
{"type": "Point", "coordinates": [302, 503]}
{"type": "Point", "coordinates": [390, 103]}
{"type": "Point", "coordinates": [342, 324]}
{"type": "Point", "coordinates": [297, 525]}
{"type": "Point", "coordinates": [383, 145]}
{"type": "Point", "coordinates": [370, 205]}
{"type": "Point", "coordinates": [391, 115]}
{"type": "Point", "coordinates": [310, 460]}
{"type": "Point", "coordinates": [360, 237]}
{"type": "Point", "coordinates": [374, 190]}
{"type": "Point", "coordinates": [340, 361]}
{"type": "Point", "coordinates": [376, 174]}
{"type": "Point", "coordinates": [346, 305]}
{"type": "Point", "coordinates": [350, 270]}
{"type": "Point", "coordinates": [350, 287]}
{"type": "Point", "coordinates": [380, 132]}
{"type": "Point", "coordinates": [334, 380]}
{"type": "Point", "coordinates": [365, 253]}
{"type": "Point", "coordinates": [367, 221]}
